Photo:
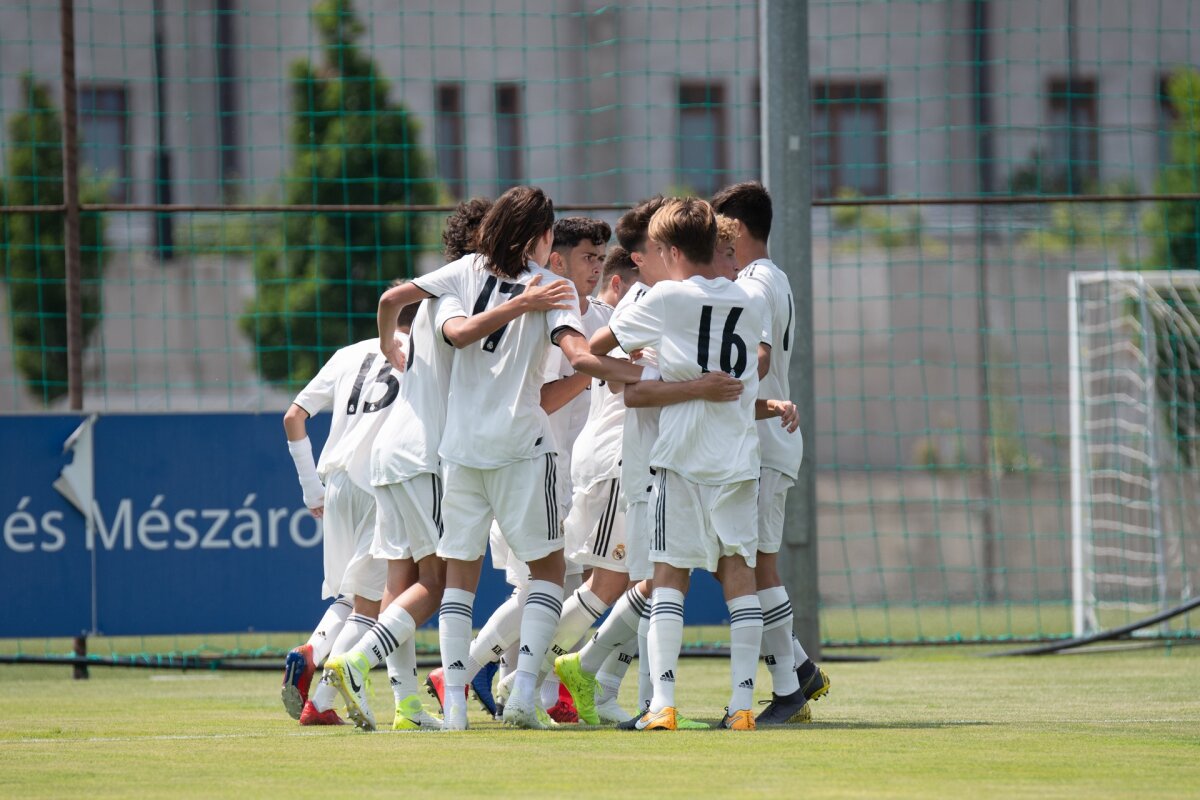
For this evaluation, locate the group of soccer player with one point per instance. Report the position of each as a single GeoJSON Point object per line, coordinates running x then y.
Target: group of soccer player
{"type": "Point", "coordinates": [608, 420]}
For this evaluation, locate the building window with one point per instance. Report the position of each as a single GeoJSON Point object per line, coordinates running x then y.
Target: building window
{"type": "Point", "coordinates": [701, 153]}
{"type": "Point", "coordinates": [849, 138]}
{"type": "Point", "coordinates": [226, 65]}
{"type": "Point", "coordinates": [509, 172]}
{"type": "Point", "coordinates": [1167, 117]}
{"type": "Point", "coordinates": [1073, 156]}
{"type": "Point", "coordinates": [448, 135]}
{"type": "Point", "coordinates": [103, 147]}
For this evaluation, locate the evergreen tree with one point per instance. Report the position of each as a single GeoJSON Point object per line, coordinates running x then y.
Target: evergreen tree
{"type": "Point", "coordinates": [32, 246]}
{"type": "Point", "coordinates": [319, 284]}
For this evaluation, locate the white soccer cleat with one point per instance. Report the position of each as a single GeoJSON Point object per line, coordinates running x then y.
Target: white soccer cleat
{"type": "Point", "coordinates": [610, 713]}
{"type": "Point", "coordinates": [518, 714]}
{"type": "Point", "coordinates": [455, 718]}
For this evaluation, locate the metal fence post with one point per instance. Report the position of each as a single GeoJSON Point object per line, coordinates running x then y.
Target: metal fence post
{"type": "Point", "coordinates": [787, 172]}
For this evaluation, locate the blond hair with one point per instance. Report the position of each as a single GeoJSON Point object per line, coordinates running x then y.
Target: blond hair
{"type": "Point", "coordinates": [689, 224]}
{"type": "Point", "coordinates": [727, 230]}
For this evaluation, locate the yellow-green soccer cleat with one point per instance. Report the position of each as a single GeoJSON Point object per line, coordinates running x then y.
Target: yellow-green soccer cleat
{"type": "Point", "coordinates": [350, 674]}
{"type": "Point", "coordinates": [412, 716]}
{"type": "Point", "coordinates": [682, 723]}
{"type": "Point", "coordinates": [581, 684]}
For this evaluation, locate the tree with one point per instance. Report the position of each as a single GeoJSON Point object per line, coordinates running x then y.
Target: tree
{"type": "Point", "coordinates": [318, 285]}
{"type": "Point", "coordinates": [33, 250]}
{"type": "Point", "coordinates": [1174, 227]}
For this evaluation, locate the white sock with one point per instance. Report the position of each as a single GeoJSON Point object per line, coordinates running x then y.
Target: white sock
{"type": "Point", "coordinates": [798, 651]}
{"type": "Point", "coordinates": [645, 662]}
{"type": "Point", "coordinates": [612, 671]}
{"type": "Point", "coordinates": [618, 629]}
{"type": "Point", "coordinates": [548, 692]}
{"type": "Point", "coordinates": [543, 608]}
{"type": "Point", "coordinates": [777, 649]}
{"type": "Point", "coordinates": [328, 628]}
{"type": "Point", "coordinates": [745, 640]}
{"type": "Point", "coordinates": [500, 632]}
{"type": "Point", "coordinates": [454, 635]}
{"type": "Point", "coordinates": [579, 613]}
{"type": "Point", "coordinates": [664, 641]}
{"type": "Point", "coordinates": [571, 583]}
{"type": "Point", "coordinates": [395, 626]}
{"type": "Point", "coordinates": [354, 629]}
{"type": "Point", "coordinates": [402, 670]}
{"type": "Point", "coordinates": [508, 662]}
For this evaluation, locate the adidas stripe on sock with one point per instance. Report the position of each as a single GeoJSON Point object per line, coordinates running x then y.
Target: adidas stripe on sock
{"type": "Point", "coordinates": [543, 609]}
{"type": "Point", "coordinates": [745, 639]}
{"type": "Point", "coordinates": [356, 626]}
{"type": "Point", "coordinates": [579, 613]}
{"type": "Point", "coordinates": [777, 649]}
{"type": "Point", "coordinates": [395, 625]}
{"type": "Point", "coordinates": [620, 627]}
{"type": "Point", "coordinates": [663, 642]}
{"type": "Point", "coordinates": [454, 636]}
{"type": "Point", "coordinates": [498, 634]}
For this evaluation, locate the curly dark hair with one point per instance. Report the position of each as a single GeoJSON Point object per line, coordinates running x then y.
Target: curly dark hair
{"type": "Point", "coordinates": [458, 237]}
{"type": "Point", "coordinates": [748, 203]}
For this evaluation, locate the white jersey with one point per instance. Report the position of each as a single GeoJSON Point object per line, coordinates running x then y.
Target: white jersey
{"type": "Point", "coordinates": [567, 422]}
{"type": "Point", "coordinates": [407, 444]}
{"type": "Point", "coordinates": [596, 455]}
{"type": "Point", "coordinates": [641, 424]}
{"type": "Point", "coordinates": [701, 325]}
{"type": "Point", "coordinates": [361, 388]}
{"type": "Point", "coordinates": [781, 450]}
{"type": "Point", "coordinates": [493, 414]}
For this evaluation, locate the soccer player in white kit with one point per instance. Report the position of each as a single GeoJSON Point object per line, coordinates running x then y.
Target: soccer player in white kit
{"type": "Point", "coordinates": [360, 387]}
{"type": "Point", "coordinates": [406, 471]}
{"type": "Point", "coordinates": [706, 456]}
{"type": "Point", "coordinates": [795, 678]}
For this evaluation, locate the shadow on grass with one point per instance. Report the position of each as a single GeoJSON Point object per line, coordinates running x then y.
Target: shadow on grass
{"type": "Point", "coordinates": [861, 725]}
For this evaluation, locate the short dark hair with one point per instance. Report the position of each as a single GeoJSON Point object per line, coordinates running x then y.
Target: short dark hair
{"type": "Point", "coordinates": [750, 204]}
{"type": "Point", "coordinates": [458, 237]}
{"type": "Point", "coordinates": [631, 227]}
{"type": "Point", "coordinates": [514, 222]}
{"type": "Point", "coordinates": [619, 262]}
{"type": "Point", "coordinates": [570, 232]}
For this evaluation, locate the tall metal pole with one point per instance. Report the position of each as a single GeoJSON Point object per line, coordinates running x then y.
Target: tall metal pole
{"type": "Point", "coordinates": [71, 206]}
{"type": "Point", "coordinates": [787, 172]}
{"type": "Point", "coordinates": [66, 20]}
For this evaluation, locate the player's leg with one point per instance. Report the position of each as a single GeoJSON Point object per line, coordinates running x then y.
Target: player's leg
{"type": "Point", "coordinates": [524, 496]}
{"type": "Point", "coordinates": [733, 516]}
{"type": "Point", "coordinates": [408, 537]}
{"type": "Point", "coordinates": [608, 682]}
{"type": "Point", "coordinates": [302, 662]}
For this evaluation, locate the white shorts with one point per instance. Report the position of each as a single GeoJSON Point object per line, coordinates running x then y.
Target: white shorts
{"type": "Point", "coordinates": [696, 525]}
{"type": "Point", "coordinates": [638, 533]}
{"type": "Point", "coordinates": [773, 487]}
{"type": "Point", "coordinates": [595, 527]}
{"type": "Point", "coordinates": [349, 523]}
{"type": "Point", "coordinates": [516, 571]}
{"type": "Point", "coordinates": [521, 497]}
{"type": "Point", "coordinates": [408, 518]}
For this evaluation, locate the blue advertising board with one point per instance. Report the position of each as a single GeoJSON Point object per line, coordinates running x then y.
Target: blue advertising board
{"type": "Point", "coordinates": [197, 526]}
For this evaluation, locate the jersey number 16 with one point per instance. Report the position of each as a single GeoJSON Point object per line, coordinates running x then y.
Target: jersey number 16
{"type": "Point", "coordinates": [733, 349]}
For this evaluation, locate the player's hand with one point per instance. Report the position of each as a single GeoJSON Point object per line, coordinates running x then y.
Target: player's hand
{"type": "Point", "coordinates": [789, 415]}
{"type": "Point", "coordinates": [318, 512]}
{"type": "Point", "coordinates": [396, 358]}
{"type": "Point", "coordinates": [719, 387]}
{"type": "Point", "coordinates": [556, 294]}
{"type": "Point", "coordinates": [636, 355]}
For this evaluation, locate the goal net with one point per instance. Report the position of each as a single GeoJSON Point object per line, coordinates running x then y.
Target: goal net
{"type": "Point", "coordinates": [1135, 444]}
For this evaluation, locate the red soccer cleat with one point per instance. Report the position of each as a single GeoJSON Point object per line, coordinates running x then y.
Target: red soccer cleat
{"type": "Point", "coordinates": [435, 684]}
{"type": "Point", "coordinates": [298, 670]}
{"type": "Point", "coordinates": [564, 710]}
{"type": "Point", "coordinates": [310, 716]}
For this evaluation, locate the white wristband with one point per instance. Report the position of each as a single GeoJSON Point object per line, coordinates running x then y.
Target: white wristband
{"type": "Point", "coordinates": [306, 470]}
{"type": "Point", "coordinates": [650, 374]}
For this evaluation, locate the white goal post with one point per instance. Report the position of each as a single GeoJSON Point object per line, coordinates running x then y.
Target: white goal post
{"type": "Point", "coordinates": [1135, 415]}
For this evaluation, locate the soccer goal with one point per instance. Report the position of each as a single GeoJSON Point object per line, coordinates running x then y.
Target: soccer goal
{"type": "Point", "coordinates": [1135, 444]}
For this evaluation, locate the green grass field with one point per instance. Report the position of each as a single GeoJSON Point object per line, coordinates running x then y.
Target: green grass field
{"type": "Point", "coordinates": [920, 723]}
